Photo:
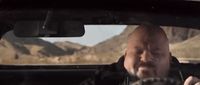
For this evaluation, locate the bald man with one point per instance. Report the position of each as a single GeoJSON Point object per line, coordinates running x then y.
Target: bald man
{"type": "Point", "coordinates": [147, 56]}
{"type": "Point", "coordinates": [147, 53]}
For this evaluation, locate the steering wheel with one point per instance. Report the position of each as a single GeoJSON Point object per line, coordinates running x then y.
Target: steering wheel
{"type": "Point", "coordinates": [156, 81]}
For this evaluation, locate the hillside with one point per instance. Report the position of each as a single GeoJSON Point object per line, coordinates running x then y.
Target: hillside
{"type": "Point", "coordinates": [187, 49]}
{"type": "Point", "coordinates": [111, 49]}
{"type": "Point", "coordinates": [33, 50]}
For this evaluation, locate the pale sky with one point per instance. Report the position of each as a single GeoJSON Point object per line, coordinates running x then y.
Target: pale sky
{"type": "Point", "coordinates": [93, 34]}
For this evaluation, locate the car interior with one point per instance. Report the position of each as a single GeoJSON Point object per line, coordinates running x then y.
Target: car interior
{"type": "Point", "coordinates": [30, 20]}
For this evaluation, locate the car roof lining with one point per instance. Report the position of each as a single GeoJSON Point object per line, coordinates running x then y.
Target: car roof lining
{"type": "Point", "coordinates": [103, 17]}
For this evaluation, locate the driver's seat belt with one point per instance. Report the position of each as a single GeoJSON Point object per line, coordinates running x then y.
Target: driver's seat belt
{"type": "Point", "coordinates": [175, 63]}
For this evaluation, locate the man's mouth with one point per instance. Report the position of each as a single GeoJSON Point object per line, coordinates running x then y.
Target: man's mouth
{"type": "Point", "coordinates": [146, 65]}
{"type": "Point", "coordinates": [145, 71]}
{"type": "Point", "coordinates": [144, 68]}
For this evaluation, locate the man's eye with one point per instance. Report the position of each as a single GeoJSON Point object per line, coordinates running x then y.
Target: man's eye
{"type": "Point", "coordinates": [139, 51]}
{"type": "Point", "coordinates": [157, 54]}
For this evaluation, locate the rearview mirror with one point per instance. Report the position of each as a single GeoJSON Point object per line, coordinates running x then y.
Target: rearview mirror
{"type": "Point", "coordinates": [52, 29]}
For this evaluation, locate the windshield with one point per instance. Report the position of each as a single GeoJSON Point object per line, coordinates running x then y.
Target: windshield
{"type": "Point", "coordinates": [101, 44]}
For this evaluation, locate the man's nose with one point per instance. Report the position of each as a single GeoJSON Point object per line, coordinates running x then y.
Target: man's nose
{"type": "Point", "coordinates": [146, 56]}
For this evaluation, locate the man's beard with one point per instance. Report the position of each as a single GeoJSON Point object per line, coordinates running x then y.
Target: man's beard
{"type": "Point", "coordinates": [144, 70]}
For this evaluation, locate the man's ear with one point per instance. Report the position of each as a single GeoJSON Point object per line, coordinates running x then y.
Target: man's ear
{"type": "Point", "coordinates": [170, 56]}
{"type": "Point", "coordinates": [125, 52]}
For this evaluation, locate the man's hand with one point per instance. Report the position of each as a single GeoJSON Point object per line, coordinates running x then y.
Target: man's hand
{"type": "Point", "coordinates": [192, 81]}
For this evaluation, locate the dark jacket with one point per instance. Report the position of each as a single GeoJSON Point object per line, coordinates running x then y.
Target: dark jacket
{"type": "Point", "coordinates": [116, 74]}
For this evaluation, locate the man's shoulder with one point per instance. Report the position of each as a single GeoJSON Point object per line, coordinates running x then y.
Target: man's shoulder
{"type": "Point", "coordinates": [110, 67]}
{"type": "Point", "coordinates": [110, 75]}
{"type": "Point", "coordinates": [113, 74]}
{"type": "Point", "coordinates": [107, 75]}
{"type": "Point", "coordinates": [110, 70]}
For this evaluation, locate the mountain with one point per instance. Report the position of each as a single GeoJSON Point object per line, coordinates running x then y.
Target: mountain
{"type": "Point", "coordinates": [30, 46]}
{"type": "Point", "coordinates": [111, 49]}
{"type": "Point", "coordinates": [187, 49]}
{"type": "Point", "coordinates": [179, 34]}
{"type": "Point", "coordinates": [70, 47]}
{"type": "Point", "coordinates": [32, 50]}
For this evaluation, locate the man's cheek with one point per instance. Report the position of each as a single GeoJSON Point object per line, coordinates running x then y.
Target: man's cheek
{"type": "Point", "coordinates": [136, 61]}
{"type": "Point", "coordinates": [135, 66]}
{"type": "Point", "coordinates": [162, 69]}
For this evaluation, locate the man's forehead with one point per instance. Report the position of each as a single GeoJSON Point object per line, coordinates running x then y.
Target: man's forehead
{"type": "Point", "coordinates": [141, 44]}
{"type": "Point", "coordinates": [146, 33]}
{"type": "Point", "coordinates": [147, 39]}
{"type": "Point", "coordinates": [145, 36]}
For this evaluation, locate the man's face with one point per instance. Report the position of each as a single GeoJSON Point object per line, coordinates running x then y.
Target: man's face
{"type": "Point", "coordinates": [147, 55]}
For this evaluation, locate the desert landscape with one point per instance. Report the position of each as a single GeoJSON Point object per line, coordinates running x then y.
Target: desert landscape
{"type": "Point", "coordinates": [184, 44]}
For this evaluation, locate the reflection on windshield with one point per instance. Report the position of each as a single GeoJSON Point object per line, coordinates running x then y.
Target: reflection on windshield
{"type": "Point", "coordinates": [101, 44]}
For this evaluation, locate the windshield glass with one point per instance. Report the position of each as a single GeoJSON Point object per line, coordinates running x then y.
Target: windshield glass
{"type": "Point", "coordinates": [101, 44]}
